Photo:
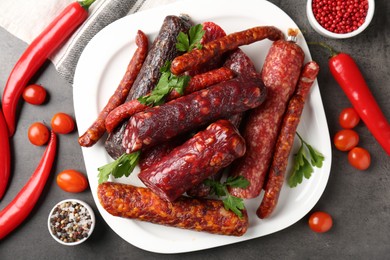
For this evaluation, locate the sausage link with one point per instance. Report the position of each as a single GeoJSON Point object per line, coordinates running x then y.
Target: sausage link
{"type": "Point", "coordinates": [241, 64]}
{"type": "Point", "coordinates": [280, 75]}
{"type": "Point", "coordinates": [200, 157]}
{"type": "Point", "coordinates": [196, 83]}
{"type": "Point", "coordinates": [158, 124]}
{"type": "Point", "coordinates": [97, 129]}
{"type": "Point", "coordinates": [285, 140]}
{"type": "Point", "coordinates": [230, 42]}
{"type": "Point", "coordinates": [127, 201]}
{"type": "Point", "coordinates": [162, 50]}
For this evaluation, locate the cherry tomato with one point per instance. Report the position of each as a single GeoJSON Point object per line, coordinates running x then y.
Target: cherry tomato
{"type": "Point", "coordinates": [34, 94]}
{"type": "Point", "coordinates": [349, 118]}
{"type": "Point", "coordinates": [359, 158]}
{"type": "Point", "coordinates": [62, 123]}
{"type": "Point", "coordinates": [346, 139]}
{"type": "Point", "coordinates": [38, 134]}
{"type": "Point", "coordinates": [72, 181]}
{"type": "Point", "coordinates": [320, 222]}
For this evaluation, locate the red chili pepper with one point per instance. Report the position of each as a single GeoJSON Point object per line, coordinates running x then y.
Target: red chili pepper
{"type": "Point", "coordinates": [37, 53]}
{"type": "Point", "coordinates": [347, 74]}
{"type": "Point", "coordinates": [20, 207]}
{"type": "Point", "coordinates": [5, 155]}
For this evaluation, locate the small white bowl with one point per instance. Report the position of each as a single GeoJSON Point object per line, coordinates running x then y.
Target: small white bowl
{"type": "Point", "coordinates": [87, 222]}
{"type": "Point", "coordinates": [321, 30]}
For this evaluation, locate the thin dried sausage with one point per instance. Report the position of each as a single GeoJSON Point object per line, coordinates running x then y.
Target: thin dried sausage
{"type": "Point", "coordinates": [200, 157]}
{"type": "Point", "coordinates": [280, 75]}
{"type": "Point", "coordinates": [127, 201]}
{"type": "Point", "coordinates": [196, 57]}
{"type": "Point", "coordinates": [285, 140]}
{"type": "Point", "coordinates": [97, 129]}
{"type": "Point", "coordinates": [162, 50]}
{"type": "Point", "coordinates": [159, 124]}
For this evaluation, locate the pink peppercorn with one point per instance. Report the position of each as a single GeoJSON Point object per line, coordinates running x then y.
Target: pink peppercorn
{"type": "Point", "coordinates": [340, 16]}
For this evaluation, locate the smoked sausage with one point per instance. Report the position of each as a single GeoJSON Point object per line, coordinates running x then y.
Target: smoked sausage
{"type": "Point", "coordinates": [285, 140]}
{"type": "Point", "coordinates": [200, 157]}
{"type": "Point", "coordinates": [158, 124]}
{"type": "Point", "coordinates": [280, 75]}
{"type": "Point", "coordinates": [97, 129]}
{"type": "Point", "coordinates": [127, 201]}
{"type": "Point", "coordinates": [230, 42]}
{"type": "Point", "coordinates": [162, 50]}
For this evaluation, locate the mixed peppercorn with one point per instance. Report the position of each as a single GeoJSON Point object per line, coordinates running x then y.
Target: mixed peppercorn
{"type": "Point", "coordinates": [70, 222]}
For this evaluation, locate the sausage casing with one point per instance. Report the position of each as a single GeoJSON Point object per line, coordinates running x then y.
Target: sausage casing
{"type": "Point", "coordinates": [162, 50]}
{"type": "Point", "coordinates": [189, 164]}
{"type": "Point", "coordinates": [285, 140]}
{"type": "Point", "coordinates": [124, 200]}
{"type": "Point", "coordinates": [230, 42]}
{"type": "Point", "coordinates": [280, 74]}
{"type": "Point", "coordinates": [97, 129]}
{"type": "Point", "coordinates": [158, 124]}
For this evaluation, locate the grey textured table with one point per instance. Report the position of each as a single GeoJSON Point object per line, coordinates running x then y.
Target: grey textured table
{"type": "Point", "coordinates": [358, 201]}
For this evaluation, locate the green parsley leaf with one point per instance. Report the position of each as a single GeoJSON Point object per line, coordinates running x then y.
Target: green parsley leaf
{"type": "Point", "coordinates": [217, 188]}
{"type": "Point", "coordinates": [237, 182]}
{"type": "Point", "coordinates": [183, 42]}
{"type": "Point", "coordinates": [196, 33]}
{"type": "Point", "coordinates": [234, 204]}
{"type": "Point", "coordinates": [165, 85]}
{"type": "Point", "coordinates": [123, 166]}
{"type": "Point", "coordinates": [302, 167]}
{"type": "Point", "coordinates": [230, 202]}
{"type": "Point", "coordinates": [316, 157]}
{"type": "Point", "coordinates": [186, 43]}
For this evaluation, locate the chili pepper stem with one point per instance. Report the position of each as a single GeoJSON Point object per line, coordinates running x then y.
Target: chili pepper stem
{"type": "Point", "coordinates": [332, 51]}
{"type": "Point", "coordinates": [86, 3]}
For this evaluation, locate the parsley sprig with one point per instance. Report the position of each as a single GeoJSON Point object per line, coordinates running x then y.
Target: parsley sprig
{"type": "Point", "coordinates": [190, 41]}
{"type": "Point", "coordinates": [122, 166]}
{"type": "Point", "coordinates": [302, 166]}
{"type": "Point", "coordinates": [165, 85]}
{"type": "Point", "coordinates": [230, 202]}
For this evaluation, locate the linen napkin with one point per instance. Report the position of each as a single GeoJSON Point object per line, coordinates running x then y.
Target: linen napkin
{"type": "Point", "coordinates": [26, 19]}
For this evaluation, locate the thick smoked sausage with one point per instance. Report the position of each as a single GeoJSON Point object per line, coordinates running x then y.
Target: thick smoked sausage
{"type": "Point", "coordinates": [127, 201]}
{"type": "Point", "coordinates": [189, 164]}
{"type": "Point", "coordinates": [159, 124]}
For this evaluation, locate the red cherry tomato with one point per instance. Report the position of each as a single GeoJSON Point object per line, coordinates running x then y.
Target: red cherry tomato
{"type": "Point", "coordinates": [349, 118]}
{"type": "Point", "coordinates": [34, 94]}
{"type": "Point", "coordinates": [38, 134]}
{"type": "Point", "coordinates": [72, 181]}
{"type": "Point", "coordinates": [346, 139]}
{"type": "Point", "coordinates": [320, 222]}
{"type": "Point", "coordinates": [359, 158]}
{"type": "Point", "coordinates": [62, 123]}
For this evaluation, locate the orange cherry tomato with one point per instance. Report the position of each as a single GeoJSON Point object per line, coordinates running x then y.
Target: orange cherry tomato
{"type": "Point", "coordinates": [320, 222]}
{"type": "Point", "coordinates": [72, 181]}
{"type": "Point", "coordinates": [349, 118]}
{"type": "Point", "coordinates": [38, 134]}
{"type": "Point", "coordinates": [346, 139]}
{"type": "Point", "coordinates": [34, 94]}
{"type": "Point", "coordinates": [62, 123]}
{"type": "Point", "coordinates": [359, 158]}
